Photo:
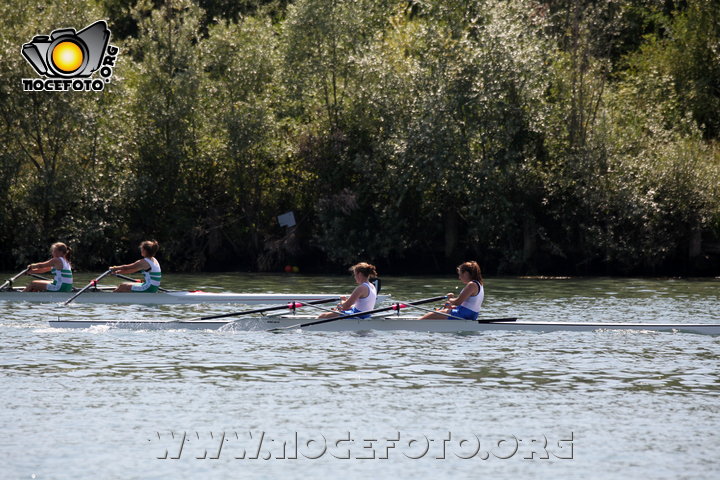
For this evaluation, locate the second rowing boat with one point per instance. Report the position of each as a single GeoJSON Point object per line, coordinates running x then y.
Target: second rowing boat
{"type": "Point", "coordinates": [172, 297]}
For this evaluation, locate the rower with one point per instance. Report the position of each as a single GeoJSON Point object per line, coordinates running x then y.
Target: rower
{"type": "Point", "coordinates": [362, 298]}
{"type": "Point", "coordinates": [467, 305]}
{"type": "Point", "coordinates": [149, 266]}
{"type": "Point", "coordinates": [59, 268]}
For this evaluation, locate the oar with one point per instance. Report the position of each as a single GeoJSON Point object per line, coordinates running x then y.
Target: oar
{"type": "Point", "coordinates": [11, 280]}
{"type": "Point", "coordinates": [394, 306]}
{"type": "Point", "coordinates": [92, 282]}
{"type": "Point", "coordinates": [119, 275]}
{"type": "Point", "coordinates": [39, 277]}
{"type": "Point", "coordinates": [291, 305]}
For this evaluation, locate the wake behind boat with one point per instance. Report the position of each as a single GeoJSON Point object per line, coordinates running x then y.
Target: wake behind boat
{"type": "Point", "coordinates": [170, 297]}
{"type": "Point", "coordinates": [392, 322]}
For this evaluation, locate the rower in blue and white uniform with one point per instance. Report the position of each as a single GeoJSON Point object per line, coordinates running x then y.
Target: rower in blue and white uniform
{"type": "Point", "coordinates": [362, 298]}
{"type": "Point", "coordinates": [148, 265]}
{"type": "Point", "coordinates": [465, 306]}
{"type": "Point", "coordinates": [59, 268]}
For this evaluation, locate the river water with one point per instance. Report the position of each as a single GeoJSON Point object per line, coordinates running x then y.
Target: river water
{"type": "Point", "coordinates": [108, 403]}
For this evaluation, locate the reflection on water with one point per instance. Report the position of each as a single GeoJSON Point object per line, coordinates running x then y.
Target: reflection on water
{"type": "Point", "coordinates": [96, 396]}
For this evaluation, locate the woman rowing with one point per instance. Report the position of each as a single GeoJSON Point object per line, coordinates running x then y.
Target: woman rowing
{"type": "Point", "coordinates": [59, 268]}
{"type": "Point", "coordinates": [467, 305]}
{"type": "Point", "coordinates": [362, 298]}
{"type": "Point", "coordinates": [149, 267]}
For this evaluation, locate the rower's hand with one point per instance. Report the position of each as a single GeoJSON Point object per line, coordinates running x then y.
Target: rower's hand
{"type": "Point", "coordinates": [450, 295]}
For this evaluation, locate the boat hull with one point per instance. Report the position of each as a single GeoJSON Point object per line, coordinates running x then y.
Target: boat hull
{"type": "Point", "coordinates": [159, 298]}
{"type": "Point", "coordinates": [389, 323]}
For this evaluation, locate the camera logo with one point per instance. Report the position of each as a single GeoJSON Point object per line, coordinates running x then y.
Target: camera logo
{"type": "Point", "coordinates": [68, 59]}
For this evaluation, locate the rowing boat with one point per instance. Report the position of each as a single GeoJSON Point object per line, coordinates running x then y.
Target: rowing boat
{"type": "Point", "coordinates": [390, 323]}
{"type": "Point", "coordinates": [172, 297]}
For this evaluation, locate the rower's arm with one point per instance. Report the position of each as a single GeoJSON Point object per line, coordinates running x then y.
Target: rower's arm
{"type": "Point", "coordinates": [131, 267]}
{"type": "Point", "coordinates": [354, 297]}
{"type": "Point", "coordinates": [42, 267]}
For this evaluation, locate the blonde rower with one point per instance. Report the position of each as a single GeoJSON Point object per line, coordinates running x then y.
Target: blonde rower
{"type": "Point", "coordinates": [148, 265]}
{"type": "Point", "coordinates": [468, 303]}
{"type": "Point", "coordinates": [362, 298]}
{"type": "Point", "coordinates": [59, 268]}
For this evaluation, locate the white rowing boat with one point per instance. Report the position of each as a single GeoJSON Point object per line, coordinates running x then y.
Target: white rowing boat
{"type": "Point", "coordinates": [390, 323]}
{"type": "Point", "coordinates": [176, 297]}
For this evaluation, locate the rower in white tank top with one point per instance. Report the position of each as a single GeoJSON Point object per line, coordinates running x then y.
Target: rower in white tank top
{"type": "Point", "coordinates": [362, 298]}
{"type": "Point", "coordinates": [467, 305]}
{"type": "Point", "coordinates": [475, 302]}
{"type": "Point", "coordinates": [367, 303]}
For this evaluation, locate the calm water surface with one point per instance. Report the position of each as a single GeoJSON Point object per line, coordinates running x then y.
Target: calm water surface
{"type": "Point", "coordinates": [105, 403]}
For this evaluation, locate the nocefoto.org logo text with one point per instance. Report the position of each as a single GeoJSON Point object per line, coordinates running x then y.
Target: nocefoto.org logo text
{"type": "Point", "coordinates": [67, 59]}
